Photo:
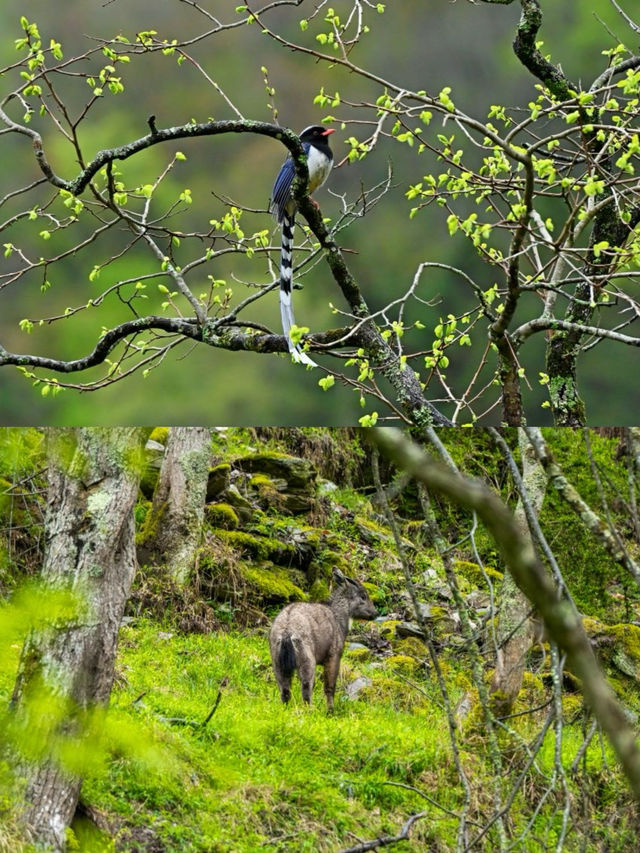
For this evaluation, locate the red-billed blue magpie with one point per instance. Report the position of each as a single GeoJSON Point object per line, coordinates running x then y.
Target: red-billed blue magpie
{"type": "Point", "coordinates": [319, 161]}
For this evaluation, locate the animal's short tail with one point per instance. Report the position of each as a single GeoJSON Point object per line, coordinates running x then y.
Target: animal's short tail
{"type": "Point", "coordinates": [286, 656]}
{"type": "Point", "coordinates": [286, 275]}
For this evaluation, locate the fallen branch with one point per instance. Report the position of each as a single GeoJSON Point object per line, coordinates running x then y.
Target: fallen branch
{"type": "Point", "coordinates": [386, 840]}
{"type": "Point", "coordinates": [195, 724]}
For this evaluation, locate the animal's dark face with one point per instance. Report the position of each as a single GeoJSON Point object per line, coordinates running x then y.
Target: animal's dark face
{"type": "Point", "coordinates": [316, 134]}
{"type": "Point", "coordinates": [361, 606]}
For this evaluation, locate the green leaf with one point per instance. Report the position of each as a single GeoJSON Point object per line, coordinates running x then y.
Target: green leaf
{"type": "Point", "coordinates": [368, 420]}
{"type": "Point", "coordinates": [327, 382]}
{"type": "Point", "coordinates": [598, 248]}
{"type": "Point", "coordinates": [296, 333]}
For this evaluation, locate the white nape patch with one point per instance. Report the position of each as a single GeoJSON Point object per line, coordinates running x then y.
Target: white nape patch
{"type": "Point", "coordinates": [319, 167]}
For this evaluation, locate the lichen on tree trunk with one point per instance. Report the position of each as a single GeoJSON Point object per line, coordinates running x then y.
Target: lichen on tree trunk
{"type": "Point", "coordinates": [515, 627]}
{"type": "Point", "coordinates": [89, 530]}
{"type": "Point", "coordinates": [174, 524]}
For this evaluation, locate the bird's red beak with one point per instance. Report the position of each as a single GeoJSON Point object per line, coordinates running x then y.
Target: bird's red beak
{"type": "Point", "coordinates": [328, 131]}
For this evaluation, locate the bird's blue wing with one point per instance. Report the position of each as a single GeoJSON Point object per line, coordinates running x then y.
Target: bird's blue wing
{"type": "Point", "coordinates": [282, 188]}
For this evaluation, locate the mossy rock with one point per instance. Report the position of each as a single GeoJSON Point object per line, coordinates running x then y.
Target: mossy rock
{"type": "Point", "coordinates": [325, 561]}
{"type": "Point", "coordinates": [473, 573]}
{"type": "Point", "coordinates": [532, 693]}
{"type": "Point", "coordinates": [411, 646]}
{"type": "Point", "coordinates": [217, 481]}
{"type": "Point", "coordinates": [244, 509]}
{"type": "Point", "coordinates": [262, 482]}
{"type": "Point", "coordinates": [532, 681]}
{"type": "Point", "coordinates": [358, 654]}
{"type": "Point", "coordinates": [297, 502]}
{"type": "Point", "coordinates": [441, 620]}
{"type": "Point", "coordinates": [271, 470]}
{"type": "Point", "coordinates": [298, 473]}
{"type": "Point", "coordinates": [388, 628]}
{"type": "Point", "coordinates": [260, 547]}
{"type": "Point", "coordinates": [403, 663]}
{"type": "Point", "coordinates": [618, 645]}
{"type": "Point", "coordinates": [457, 677]}
{"type": "Point", "coordinates": [437, 613]}
{"type": "Point", "coordinates": [222, 516]}
{"type": "Point", "coordinates": [393, 690]}
{"type": "Point", "coordinates": [572, 704]}
{"type": "Point", "coordinates": [159, 435]}
{"type": "Point", "coordinates": [372, 533]}
{"type": "Point", "coordinates": [273, 583]}
{"type": "Point", "coordinates": [269, 492]}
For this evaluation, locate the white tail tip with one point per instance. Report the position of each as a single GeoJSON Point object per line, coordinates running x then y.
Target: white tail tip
{"type": "Point", "coordinates": [300, 357]}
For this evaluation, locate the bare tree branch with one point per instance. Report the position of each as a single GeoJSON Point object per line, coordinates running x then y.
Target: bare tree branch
{"type": "Point", "coordinates": [563, 625]}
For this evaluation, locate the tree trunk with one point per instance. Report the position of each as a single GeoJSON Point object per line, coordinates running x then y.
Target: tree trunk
{"type": "Point", "coordinates": [515, 627]}
{"type": "Point", "coordinates": [174, 525]}
{"type": "Point", "coordinates": [89, 531]}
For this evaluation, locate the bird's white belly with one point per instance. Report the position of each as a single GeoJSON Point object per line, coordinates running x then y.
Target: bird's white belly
{"type": "Point", "coordinates": [319, 167]}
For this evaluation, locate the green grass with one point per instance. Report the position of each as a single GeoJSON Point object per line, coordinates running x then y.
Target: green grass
{"type": "Point", "coordinates": [265, 777]}
{"type": "Point", "coordinates": [260, 776]}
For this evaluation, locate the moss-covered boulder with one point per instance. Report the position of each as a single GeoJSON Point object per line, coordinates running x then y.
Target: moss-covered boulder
{"type": "Point", "coordinates": [222, 516]}
{"type": "Point", "coordinates": [243, 507]}
{"type": "Point", "coordinates": [269, 492]}
{"type": "Point", "coordinates": [404, 663]}
{"type": "Point", "coordinates": [217, 481]}
{"type": "Point", "coordinates": [159, 435]}
{"type": "Point", "coordinates": [372, 533]}
{"type": "Point", "coordinates": [474, 573]}
{"type": "Point", "coordinates": [299, 475]}
{"type": "Point", "coordinates": [297, 472]}
{"type": "Point", "coordinates": [257, 546]}
{"type": "Point", "coordinates": [274, 584]}
{"type": "Point", "coordinates": [618, 645]}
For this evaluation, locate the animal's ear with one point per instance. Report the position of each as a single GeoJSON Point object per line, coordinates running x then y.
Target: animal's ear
{"type": "Point", "coordinates": [338, 576]}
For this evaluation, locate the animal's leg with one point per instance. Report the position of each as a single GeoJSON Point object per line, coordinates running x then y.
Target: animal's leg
{"type": "Point", "coordinates": [285, 689]}
{"type": "Point", "coordinates": [331, 669]}
{"type": "Point", "coordinates": [307, 673]}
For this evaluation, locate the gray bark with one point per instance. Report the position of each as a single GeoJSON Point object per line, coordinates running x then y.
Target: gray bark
{"type": "Point", "coordinates": [515, 627]}
{"type": "Point", "coordinates": [89, 530]}
{"type": "Point", "coordinates": [174, 527]}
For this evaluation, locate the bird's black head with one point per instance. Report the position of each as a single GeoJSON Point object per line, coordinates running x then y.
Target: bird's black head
{"type": "Point", "coordinates": [317, 135]}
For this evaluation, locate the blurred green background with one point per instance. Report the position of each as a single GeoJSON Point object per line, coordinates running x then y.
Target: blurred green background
{"type": "Point", "coordinates": [419, 43]}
